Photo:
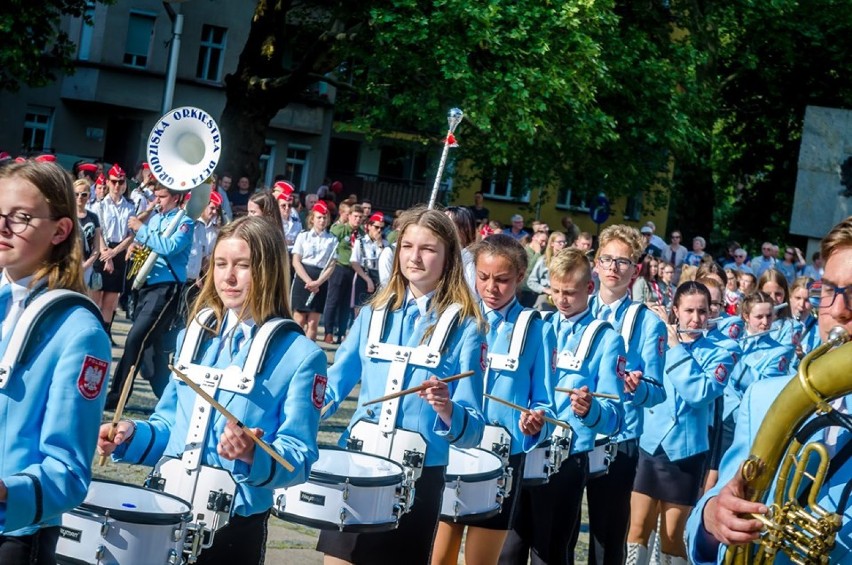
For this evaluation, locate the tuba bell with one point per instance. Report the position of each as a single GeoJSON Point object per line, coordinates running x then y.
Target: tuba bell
{"type": "Point", "coordinates": [183, 150]}
{"type": "Point", "coordinates": [796, 526]}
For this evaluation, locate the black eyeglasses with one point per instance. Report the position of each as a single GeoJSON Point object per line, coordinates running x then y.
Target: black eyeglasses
{"type": "Point", "coordinates": [621, 264]}
{"type": "Point", "coordinates": [828, 294]}
{"type": "Point", "coordinates": [18, 222]}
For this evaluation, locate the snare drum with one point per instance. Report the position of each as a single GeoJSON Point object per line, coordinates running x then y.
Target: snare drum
{"type": "Point", "coordinates": [347, 491]}
{"type": "Point", "coordinates": [601, 456]}
{"type": "Point", "coordinates": [475, 484]}
{"type": "Point", "coordinates": [124, 524]}
{"type": "Point", "coordinates": [547, 458]}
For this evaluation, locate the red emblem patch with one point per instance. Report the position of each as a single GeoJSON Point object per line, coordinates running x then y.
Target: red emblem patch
{"type": "Point", "coordinates": [621, 367]}
{"type": "Point", "coordinates": [483, 356]}
{"type": "Point", "coordinates": [661, 345]}
{"type": "Point", "coordinates": [721, 373]}
{"type": "Point", "coordinates": [318, 390]}
{"type": "Point", "coordinates": [734, 331]}
{"type": "Point", "coordinates": [184, 228]}
{"type": "Point", "coordinates": [92, 377]}
{"type": "Point", "coordinates": [782, 365]}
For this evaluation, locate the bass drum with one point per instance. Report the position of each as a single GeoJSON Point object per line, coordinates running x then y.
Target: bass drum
{"type": "Point", "coordinates": [120, 524]}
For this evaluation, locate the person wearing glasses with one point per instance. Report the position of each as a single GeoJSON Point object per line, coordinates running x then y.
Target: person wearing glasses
{"type": "Point", "coordinates": [114, 213]}
{"type": "Point", "coordinates": [720, 518]}
{"type": "Point", "coordinates": [52, 398]}
{"type": "Point", "coordinates": [644, 336]}
{"type": "Point", "coordinates": [290, 221]}
{"type": "Point", "coordinates": [365, 261]}
{"type": "Point", "coordinates": [90, 231]}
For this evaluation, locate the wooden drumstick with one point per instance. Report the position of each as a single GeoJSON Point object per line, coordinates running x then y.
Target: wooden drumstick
{"type": "Point", "coordinates": [119, 409]}
{"type": "Point", "coordinates": [231, 418]}
{"type": "Point", "coordinates": [594, 394]}
{"type": "Point", "coordinates": [422, 386]}
{"type": "Point", "coordinates": [520, 408]}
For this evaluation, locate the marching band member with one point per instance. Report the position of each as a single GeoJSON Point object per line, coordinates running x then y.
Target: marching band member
{"type": "Point", "coordinates": [426, 284]}
{"type": "Point", "coordinates": [547, 524]}
{"type": "Point", "coordinates": [644, 337]}
{"type": "Point", "coordinates": [290, 221]}
{"type": "Point", "coordinates": [500, 263]}
{"type": "Point", "coordinates": [155, 307]}
{"type": "Point", "coordinates": [51, 401]}
{"type": "Point", "coordinates": [674, 445]}
{"type": "Point", "coordinates": [365, 261]}
{"type": "Point", "coordinates": [721, 517]}
{"type": "Point", "coordinates": [801, 308]}
{"type": "Point", "coordinates": [244, 290]}
{"type": "Point", "coordinates": [313, 263]}
{"type": "Point", "coordinates": [785, 330]}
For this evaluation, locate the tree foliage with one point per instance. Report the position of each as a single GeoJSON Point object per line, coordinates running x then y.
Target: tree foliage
{"type": "Point", "coordinates": [34, 51]}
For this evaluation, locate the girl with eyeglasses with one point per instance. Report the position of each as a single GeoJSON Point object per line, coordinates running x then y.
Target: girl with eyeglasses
{"type": "Point", "coordinates": [365, 261]}
{"type": "Point", "coordinates": [53, 398]}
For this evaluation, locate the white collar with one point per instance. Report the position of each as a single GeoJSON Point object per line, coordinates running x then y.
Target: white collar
{"type": "Point", "coordinates": [422, 302]}
{"type": "Point", "coordinates": [20, 288]}
{"type": "Point", "coordinates": [615, 305]}
{"type": "Point", "coordinates": [231, 322]}
{"type": "Point", "coordinates": [502, 311]}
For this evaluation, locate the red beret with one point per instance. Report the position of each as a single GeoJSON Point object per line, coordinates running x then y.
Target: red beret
{"type": "Point", "coordinates": [89, 167]}
{"type": "Point", "coordinates": [146, 167]}
{"type": "Point", "coordinates": [486, 230]}
{"type": "Point", "coordinates": [100, 180]}
{"type": "Point", "coordinates": [216, 198]}
{"type": "Point", "coordinates": [377, 217]}
{"type": "Point", "coordinates": [285, 187]}
{"type": "Point", "coordinates": [47, 158]}
{"type": "Point", "coordinates": [337, 187]}
{"type": "Point", "coordinates": [320, 207]}
{"type": "Point", "coordinates": [4, 156]}
{"type": "Point", "coordinates": [117, 171]}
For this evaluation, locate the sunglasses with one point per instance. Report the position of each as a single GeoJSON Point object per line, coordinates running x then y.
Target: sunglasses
{"type": "Point", "coordinates": [79, 194]}
{"type": "Point", "coordinates": [118, 181]}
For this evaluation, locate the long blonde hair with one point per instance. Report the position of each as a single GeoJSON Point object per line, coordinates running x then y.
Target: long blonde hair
{"type": "Point", "coordinates": [549, 252]}
{"type": "Point", "coordinates": [452, 289]}
{"type": "Point", "coordinates": [63, 267]}
{"type": "Point", "coordinates": [270, 273]}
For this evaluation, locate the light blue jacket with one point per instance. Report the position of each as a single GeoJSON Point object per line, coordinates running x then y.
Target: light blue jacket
{"type": "Point", "coordinates": [600, 372]}
{"type": "Point", "coordinates": [646, 353]}
{"type": "Point", "coordinates": [762, 357]}
{"type": "Point", "coordinates": [696, 375]}
{"type": "Point", "coordinates": [530, 385]}
{"type": "Point", "coordinates": [787, 332]}
{"type": "Point", "coordinates": [282, 404]}
{"type": "Point", "coordinates": [465, 350]}
{"type": "Point", "coordinates": [809, 340]}
{"type": "Point", "coordinates": [51, 412]}
{"type": "Point", "coordinates": [173, 251]}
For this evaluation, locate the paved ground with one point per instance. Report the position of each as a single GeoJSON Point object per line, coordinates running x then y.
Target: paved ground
{"type": "Point", "coordinates": [289, 544]}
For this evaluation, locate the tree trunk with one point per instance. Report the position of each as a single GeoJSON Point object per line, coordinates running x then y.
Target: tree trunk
{"type": "Point", "coordinates": [243, 123]}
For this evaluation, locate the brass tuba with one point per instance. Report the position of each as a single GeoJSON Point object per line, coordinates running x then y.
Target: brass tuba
{"type": "Point", "coordinates": [183, 151]}
{"type": "Point", "coordinates": [806, 534]}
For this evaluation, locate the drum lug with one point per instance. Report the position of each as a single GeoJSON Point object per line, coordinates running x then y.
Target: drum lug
{"type": "Point", "coordinates": [155, 482]}
{"type": "Point", "coordinates": [354, 444]}
{"type": "Point", "coordinates": [413, 459]}
{"type": "Point", "coordinates": [99, 553]}
{"type": "Point", "coordinates": [105, 525]}
{"type": "Point", "coordinates": [177, 534]}
{"type": "Point", "coordinates": [456, 508]}
{"type": "Point", "coordinates": [173, 557]}
{"type": "Point", "coordinates": [342, 519]}
{"type": "Point", "coordinates": [281, 501]}
{"type": "Point", "coordinates": [219, 501]}
{"type": "Point", "coordinates": [346, 490]}
{"type": "Point", "coordinates": [507, 480]}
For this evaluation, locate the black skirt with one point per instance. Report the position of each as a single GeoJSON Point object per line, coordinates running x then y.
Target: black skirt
{"type": "Point", "coordinates": [410, 544]}
{"type": "Point", "coordinates": [359, 288]}
{"type": "Point", "coordinates": [676, 482]}
{"type": "Point", "coordinates": [299, 296]}
{"type": "Point", "coordinates": [114, 281]}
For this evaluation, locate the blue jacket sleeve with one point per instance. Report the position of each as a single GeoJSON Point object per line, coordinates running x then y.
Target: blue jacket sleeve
{"type": "Point", "coordinates": [151, 437]}
{"type": "Point", "coordinates": [698, 380]}
{"type": "Point", "coordinates": [606, 416]}
{"type": "Point", "coordinates": [167, 245]}
{"type": "Point", "coordinates": [345, 373]}
{"type": "Point", "coordinates": [649, 344]}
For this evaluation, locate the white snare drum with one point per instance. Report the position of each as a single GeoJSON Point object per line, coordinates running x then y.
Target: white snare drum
{"type": "Point", "coordinates": [124, 524]}
{"type": "Point", "coordinates": [347, 491]}
{"type": "Point", "coordinates": [475, 483]}
{"type": "Point", "coordinates": [498, 441]}
{"type": "Point", "coordinates": [601, 456]}
{"type": "Point", "coordinates": [547, 458]}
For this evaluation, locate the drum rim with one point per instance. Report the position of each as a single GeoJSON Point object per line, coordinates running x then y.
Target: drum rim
{"type": "Point", "coordinates": [328, 478]}
{"type": "Point", "coordinates": [85, 509]}
{"type": "Point", "coordinates": [373, 527]}
{"type": "Point", "coordinates": [475, 477]}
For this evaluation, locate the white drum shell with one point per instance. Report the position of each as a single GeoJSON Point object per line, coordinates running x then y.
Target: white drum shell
{"type": "Point", "coordinates": [474, 484]}
{"type": "Point", "coordinates": [547, 458]}
{"type": "Point", "coordinates": [91, 533]}
{"type": "Point", "coordinates": [346, 491]}
{"type": "Point", "coordinates": [600, 457]}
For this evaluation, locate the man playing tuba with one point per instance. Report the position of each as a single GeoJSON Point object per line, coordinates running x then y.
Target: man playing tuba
{"type": "Point", "coordinates": [723, 517]}
{"type": "Point", "coordinates": [158, 297]}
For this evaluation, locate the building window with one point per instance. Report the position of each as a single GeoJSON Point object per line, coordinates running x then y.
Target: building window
{"type": "Point", "coordinates": [211, 53]}
{"type": "Point", "coordinates": [140, 32]}
{"type": "Point", "coordinates": [84, 45]}
{"type": "Point", "coordinates": [569, 199]}
{"type": "Point", "coordinates": [38, 123]}
{"type": "Point", "coordinates": [298, 161]}
{"type": "Point", "coordinates": [267, 162]}
{"type": "Point", "coordinates": [500, 187]}
{"type": "Point", "coordinates": [633, 210]}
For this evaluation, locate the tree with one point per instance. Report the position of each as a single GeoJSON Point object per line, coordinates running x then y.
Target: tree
{"type": "Point", "coordinates": [34, 50]}
{"type": "Point", "coordinates": [573, 94]}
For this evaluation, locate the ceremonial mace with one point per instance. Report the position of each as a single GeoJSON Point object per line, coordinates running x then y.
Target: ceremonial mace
{"type": "Point", "coordinates": [454, 118]}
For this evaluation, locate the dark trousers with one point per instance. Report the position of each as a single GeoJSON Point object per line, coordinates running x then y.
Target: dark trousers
{"type": "Point", "coordinates": [337, 311]}
{"type": "Point", "coordinates": [38, 548]}
{"type": "Point", "coordinates": [608, 500]}
{"type": "Point", "coordinates": [155, 312]}
{"type": "Point", "coordinates": [242, 541]}
{"type": "Point", "coordinates": [547, 521]}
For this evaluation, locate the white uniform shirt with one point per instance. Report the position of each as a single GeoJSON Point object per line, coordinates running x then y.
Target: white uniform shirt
{"type": "Point", "coordinates": [365, 252]}
{"type": "Point", "coordinates": [292, 228]}
{"type": "Point", "coordinates": [315, 249]}
{"type": "Point", "coordinates": [113, 218]}
{"type": "Point", "coordinates": [20, 292]}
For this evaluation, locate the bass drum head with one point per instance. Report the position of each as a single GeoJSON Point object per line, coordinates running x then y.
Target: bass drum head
{"type": "Point", "coordinates": [135, 505]}
{"type": "Point", "coordinates": [336, 465]}
{"type": "Point", "coordinates": [473, 465]}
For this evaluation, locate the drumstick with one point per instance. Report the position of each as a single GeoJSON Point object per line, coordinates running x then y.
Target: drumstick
{"type": "Point", "coordinates": [594, 394]}
{"type": "Point", "coordinates": [422, 386]}
{"type": "Point", "coordinates": [119, 409]}
{"type": "Point", "coordinates": [231, 418]}
{"type": "Point", "coordinates": [520, 408]}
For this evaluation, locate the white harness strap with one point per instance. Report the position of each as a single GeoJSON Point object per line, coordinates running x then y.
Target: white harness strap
{"type": "Point", "coordinates": [239, 380]}
{"type": "Point", "coordinates": [629, 323]}
{"type": "Point", "coordinates": [27, 323]}
{"type": "Point", "coordinates": [511, 360]}
{"type": "Point", "coordinates": [574, 361]}
{"type": "Point", "coordinates": [425, 355]}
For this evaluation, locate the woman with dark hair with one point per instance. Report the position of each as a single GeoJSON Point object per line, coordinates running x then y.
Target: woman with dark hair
{"type": "Point", "coordinates": [642, 291]}
{"type": "Point", "coordinates": [265, 205]}
{"type": "Point", "coordinates": [675, 443]}
{"type": "Point", "coordinates": [465, 223]}
{"type": "Point", "coordinates": [785, 329]}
